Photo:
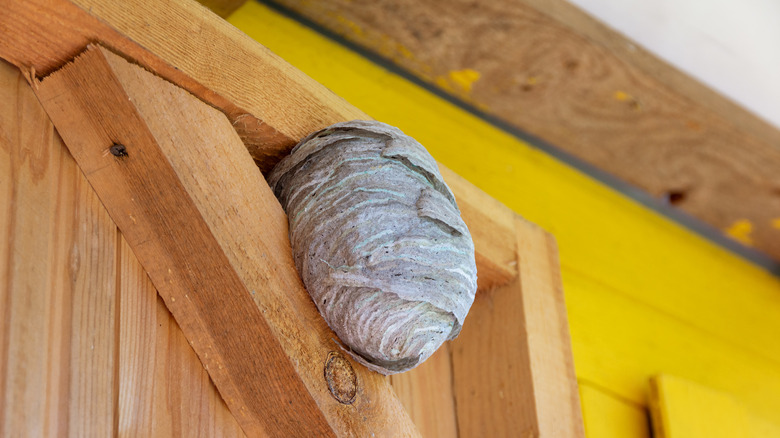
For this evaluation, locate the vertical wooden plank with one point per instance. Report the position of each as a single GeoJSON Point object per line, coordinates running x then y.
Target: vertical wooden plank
{"type": "Point", "coordinates": [94, 307]}
{"type": "Point", "coordinates": [138, 330]}
{"type": "Point", "coordinates": [178, 375]}
{"type": "Point", "coordinates": [164, 390]}
{"type": "Point", "coordinates": [513, 369]}
{"type": "Point", "coordinates": [26, 218]}
{"type": "Point", "coordinates": [58, 276]}
{"type": "Point", "coordinates": [427, 394]}
{"type": "Point", "coordinates": [58, 303]}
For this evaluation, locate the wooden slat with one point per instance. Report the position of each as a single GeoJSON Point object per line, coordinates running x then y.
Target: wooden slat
{"type": "Point", "coordinates": [620, 343]}
{"type": "Point", "coordinates": [427, 394]}
{"type": "Point", "coordinates": [570, 80]}
{"type": "Point", "coordinates": [682, 408]}
{"type": "Point", "coordinates": [58, 277]}
{"type": "Point", "coordinates": [163, 388]}
{"type": "Point", "coordinates": [512, 367]}
{"type": "Point", "coordinates": [256, 379]}
{"type": "Point", "coordinates": [685, 409]}
{"type": "Point", "coordinates": [196, 247]}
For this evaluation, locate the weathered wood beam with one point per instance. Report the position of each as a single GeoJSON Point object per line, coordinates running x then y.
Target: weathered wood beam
{"type": "Point", "coordinates": [213, 241]}
{"type": "Point", "coordinates": [567, 78]}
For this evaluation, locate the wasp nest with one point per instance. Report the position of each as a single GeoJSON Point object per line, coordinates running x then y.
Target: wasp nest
{"type": "Point", "coordinates": [378, 240]}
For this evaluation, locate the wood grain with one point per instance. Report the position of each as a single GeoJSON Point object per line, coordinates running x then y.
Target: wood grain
{"type": "Point", "coordinates": [58, 279]}
{"type": "Point", "coordinates": [179, 252]}
{"type": "Point", "coordinates": [566, 78]}
{"type": "Point", "coordinates": [513, 373]}
{"type": "Point", "coordinates": [427, 394]}
{"type": "Point", "coordinates": [163, 388]}
{"type": "Point", "coordinates": [57, 375]}
{"type": "Point", "coordinates": [222, 219]}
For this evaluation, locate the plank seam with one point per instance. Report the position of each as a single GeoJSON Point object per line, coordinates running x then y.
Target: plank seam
{"type": "Point", "coordinates": [117, 324]}
{"type": "Point", "coordinates": [454, 393]}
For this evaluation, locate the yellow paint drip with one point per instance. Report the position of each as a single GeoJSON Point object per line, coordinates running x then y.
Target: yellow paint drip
{"type": "Point", "coordinates": [776, 223]}
{"type": "Point", "coordinates": [622, 96]}
{"type": "Point", "coordinates": [464, 79]}
{"type": "Point", "coordinates": [740, 231]}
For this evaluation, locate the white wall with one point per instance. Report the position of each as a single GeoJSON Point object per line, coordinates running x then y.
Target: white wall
{"type": "Point", "coordinates": [731, 45]}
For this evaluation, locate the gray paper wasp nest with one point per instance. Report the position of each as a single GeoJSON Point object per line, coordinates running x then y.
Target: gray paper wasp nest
{"type": "Point", "coordinates": [378, 240]}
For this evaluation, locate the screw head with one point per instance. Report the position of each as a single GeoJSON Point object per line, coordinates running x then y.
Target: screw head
{"type": "Point", "coordinates": [118, 150]}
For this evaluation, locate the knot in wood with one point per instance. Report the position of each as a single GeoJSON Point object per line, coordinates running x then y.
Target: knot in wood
{"type": "Point", "coordinates": [341, 378]}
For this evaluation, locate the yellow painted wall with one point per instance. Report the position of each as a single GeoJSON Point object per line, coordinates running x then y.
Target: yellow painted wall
{"type": "Point", "coordinates": [644, 295]}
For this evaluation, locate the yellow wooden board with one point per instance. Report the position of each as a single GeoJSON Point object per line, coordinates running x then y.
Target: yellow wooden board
{"type": "Point", "coordinates": [686, 409]}
{"type": "Point", "coordinates": [619, 344]}
{"type": "Point", "coordinates": [644, 294]}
